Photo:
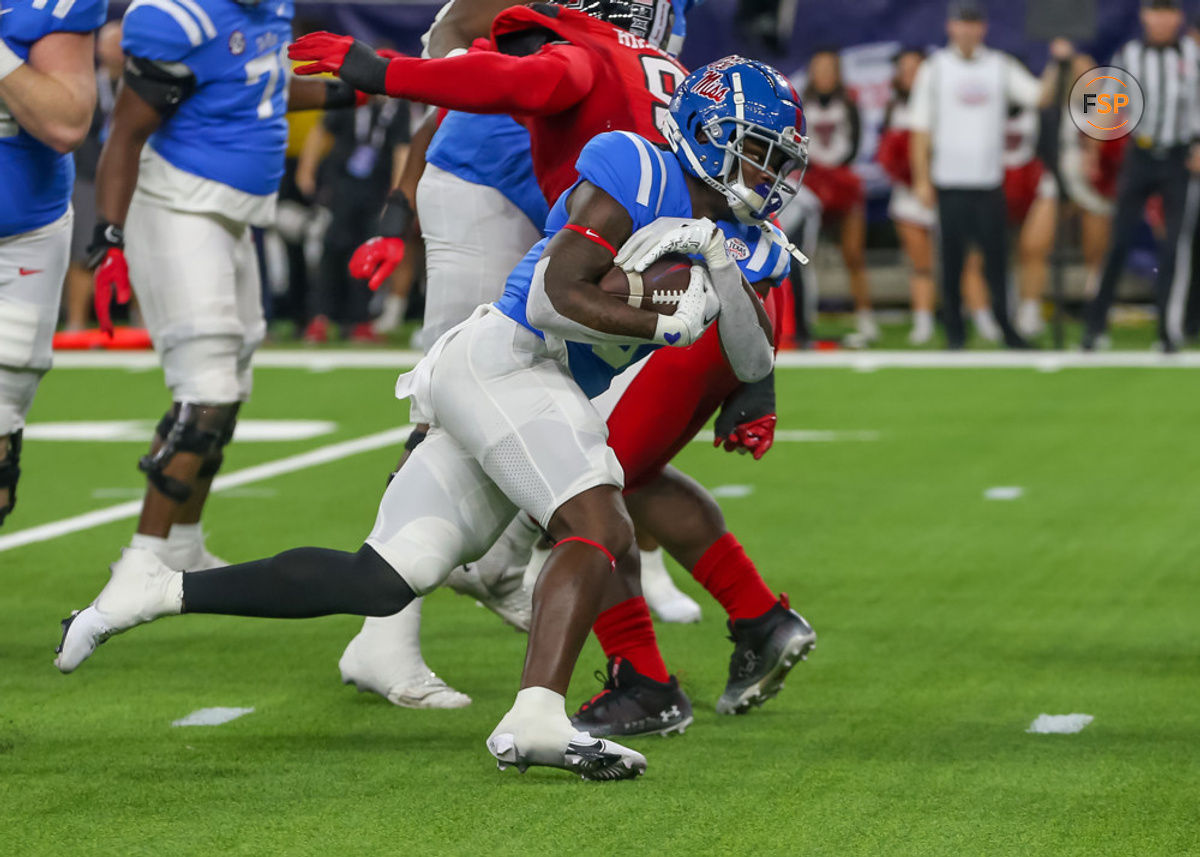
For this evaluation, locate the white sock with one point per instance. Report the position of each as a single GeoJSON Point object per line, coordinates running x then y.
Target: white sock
{"type": "Point", "coordinates": [186, 534]}
{"type": "Point", "coordinates": [864, 319]}
{"type": "Point", "coordinates": [923, 318]}
{"type": "Point", "coordinates": [154, 544]}
{"type": "Point", "coordinates": [541, 713]}
{"type": "Point", "coordinates": [653, 561]}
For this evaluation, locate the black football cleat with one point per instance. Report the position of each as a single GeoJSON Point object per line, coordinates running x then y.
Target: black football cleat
{"type": "Point", "coordinates": [632, 704]}
{"type": "Point", "coordinates": [765, 650]}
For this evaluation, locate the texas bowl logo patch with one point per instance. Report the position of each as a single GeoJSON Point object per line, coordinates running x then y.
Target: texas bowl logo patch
{"type": "Point", "coordinates": [237, 43]}
{"type": "Point", "coordinates": [736, 249]}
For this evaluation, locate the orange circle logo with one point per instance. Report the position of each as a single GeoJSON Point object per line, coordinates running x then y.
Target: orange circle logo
{"type": "Point", "coordinates": [1106, 103]}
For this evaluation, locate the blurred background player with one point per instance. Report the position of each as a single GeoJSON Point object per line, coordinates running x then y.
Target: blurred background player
{"type": "Point", "coordinates": [959, 105]}
{"type": "Point", "coordinates": [834, 132]}
{"type": "Point", "coordinates": [47, 95]}
{"type": "Point", "coordinates": [361, 154]}
{"type": "Point", "coordinates": [1163, 154]}
{"type": "Point", "coordinates": [193, 160]}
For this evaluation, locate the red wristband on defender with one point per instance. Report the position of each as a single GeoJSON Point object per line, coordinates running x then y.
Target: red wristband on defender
{"type": "Point", "coordinates": [591, 235]}
{"type": "Point", "coordinates": [611, 559]}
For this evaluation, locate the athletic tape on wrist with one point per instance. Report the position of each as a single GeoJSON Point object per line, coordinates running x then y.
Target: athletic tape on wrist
{"type": "Point", "coordinates": [670, 331]}
{"type": "Point", "coordinates": [9, 61]}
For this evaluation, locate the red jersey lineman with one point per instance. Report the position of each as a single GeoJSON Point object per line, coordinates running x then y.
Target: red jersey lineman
{"type": "Point", "coordinates": [568, 76]}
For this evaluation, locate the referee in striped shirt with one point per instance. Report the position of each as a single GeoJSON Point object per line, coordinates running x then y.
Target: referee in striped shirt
{"type": "Point", "coordinates": [1165, 149]}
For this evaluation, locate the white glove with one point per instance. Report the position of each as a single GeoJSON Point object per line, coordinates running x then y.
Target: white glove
{"type": "Point", "coordinates": [697, 309]}
{"type": "Point", "coordinates": [666, 235]}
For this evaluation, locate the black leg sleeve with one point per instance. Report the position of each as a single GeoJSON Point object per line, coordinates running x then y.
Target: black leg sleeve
{"type": "Point", "coordinates": [299, 584]}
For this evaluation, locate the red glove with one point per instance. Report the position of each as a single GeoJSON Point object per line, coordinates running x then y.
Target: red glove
{"type": "Point", "coordinates": [755, 437]}
{"type": "Point", "coordinates": [112, 276]}
{"type": "Point", "coordinates": [327, 52]}
{"type": "Point", "coordinates": [376, 259]}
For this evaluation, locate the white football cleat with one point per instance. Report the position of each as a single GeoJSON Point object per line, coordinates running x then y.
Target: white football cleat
{"type": "Point", "coordinates": [508, 598]}
{"type": "Point", "coordinates": [668, 602]}
{"type": "Point", "coordinates": [141, 588]}
{"type": "Point", "coordinates": [497, 579]}
{"type": "Point", "coordinates": [591, 758]}
{"type": "Point", "coordinates": [536, 732]}
{"type": "Point", "coordinates": [373, 663]}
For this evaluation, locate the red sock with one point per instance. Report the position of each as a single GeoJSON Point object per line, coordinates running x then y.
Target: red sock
{"type": "Point", "coordinates": [731, 578]}
{"type": "Point", "coordinates": [627, 631]}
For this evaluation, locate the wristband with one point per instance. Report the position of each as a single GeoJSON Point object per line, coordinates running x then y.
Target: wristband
{"type": "Point", "coordinates": [105, 236]}
{"type": "Point", "coordinates": [9, 61]}
{"type": "Point", "coordinates": [670, 331]}
{"type": "Point", "coordinates": [364, 69]}
{"type": "Point", "coordinates": [397, 215]}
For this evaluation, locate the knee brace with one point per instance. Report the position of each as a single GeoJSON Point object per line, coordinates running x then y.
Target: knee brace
{"type": "Point", "coordinates": [198, 429]}
{"type": "Point", "coordinates": [10, 472]}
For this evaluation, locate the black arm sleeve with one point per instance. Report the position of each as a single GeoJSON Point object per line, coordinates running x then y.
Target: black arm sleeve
{"type": "Point", "coordinates": [162, 85]}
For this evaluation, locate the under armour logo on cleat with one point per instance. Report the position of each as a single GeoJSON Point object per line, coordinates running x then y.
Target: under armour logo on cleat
{"type": "Point", "coordinates": [666, 716]}
{"type": "Point", "coordinates": [672, 338]}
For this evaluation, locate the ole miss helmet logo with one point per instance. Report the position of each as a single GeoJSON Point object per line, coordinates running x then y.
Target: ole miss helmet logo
{"type": "Point", "coordinates": [711, 86]}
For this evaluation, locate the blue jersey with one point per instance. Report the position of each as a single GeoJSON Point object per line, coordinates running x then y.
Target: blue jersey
{"type": "Point", "coordinates": [35, 180]}
{"type": "Point", "coordinates": [232, 128]}
{"type": "Point", "coordinates": [491, 150]}
{"type": "Point", "coordinates": [649, 183]}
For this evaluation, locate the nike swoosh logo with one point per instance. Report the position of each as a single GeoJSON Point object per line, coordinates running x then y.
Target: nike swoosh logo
{"type": "Point", "coordinates": [25, 272]}
{"type": "Point", "coordinates": [710, 319]}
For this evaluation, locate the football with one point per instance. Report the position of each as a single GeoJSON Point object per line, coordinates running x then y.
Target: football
{"type": "Point", "coordinates": [658, 288]}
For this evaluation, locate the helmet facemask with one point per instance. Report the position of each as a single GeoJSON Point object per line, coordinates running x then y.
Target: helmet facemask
{"type": "Point", "coordinates": [779, 167]}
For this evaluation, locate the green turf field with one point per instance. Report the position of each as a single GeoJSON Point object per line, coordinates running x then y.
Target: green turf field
{"type": "Point", "coordinates": [947, 623]}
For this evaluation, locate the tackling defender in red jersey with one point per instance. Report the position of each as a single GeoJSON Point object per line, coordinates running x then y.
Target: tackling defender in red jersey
{"type": "Point", "coordinates": [567, 75]}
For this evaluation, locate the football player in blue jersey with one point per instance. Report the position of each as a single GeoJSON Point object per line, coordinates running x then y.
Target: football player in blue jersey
{"type": "Point", "coordinates": [471, 180]}
{"type": "Point", "coordinates": [506, 394]}
{"type": "Point", "coordinates": [47, 95]}
{"type": "Point", "coordinates": [192, 161]}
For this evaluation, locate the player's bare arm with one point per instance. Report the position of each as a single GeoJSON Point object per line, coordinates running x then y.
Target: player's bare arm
{"type": "Point", "coordinates": [133, 121]}
{"type": "Point", "coordinates": [53, 95]}
{"type": "Point", "coordinates": [575, 262]}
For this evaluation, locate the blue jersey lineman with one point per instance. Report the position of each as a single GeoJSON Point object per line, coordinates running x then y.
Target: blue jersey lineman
{"type": "Point", "coordinates": [192, 162]}
{"type": "Point", "coordinates": [47, 95]}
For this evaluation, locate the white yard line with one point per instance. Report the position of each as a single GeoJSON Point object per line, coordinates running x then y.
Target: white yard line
{"type": "Point", "coordinates": [866, 361]}
{"type": "Point", "coordinates": [1059, 724]}
{"type": "Point", "coordinates": [246, 476]}
{"type": "Point", "coordinates": [212, 716]}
